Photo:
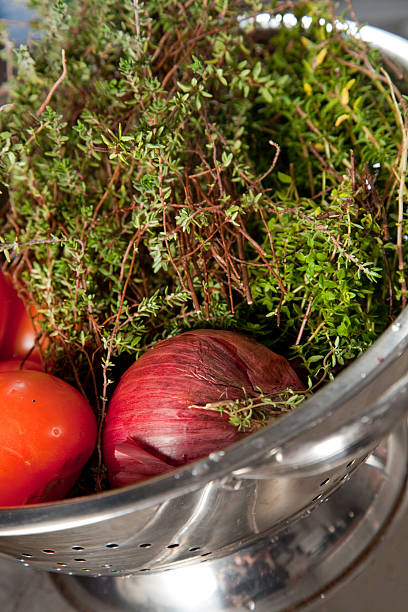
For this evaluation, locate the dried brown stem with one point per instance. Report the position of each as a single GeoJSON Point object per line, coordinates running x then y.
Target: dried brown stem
{"type": "Point", "coordinates": [263, 256]}
{"type": "Point", "coordinates": [401, 192]}
{"type": "Point", "coordinates": [324, 163]}
{"type": "Point", "coordinates": [315, 129]}
{"type": "Point", "coordinates": [105, 369]}
{"type": "Point", "coordinates": [5, 246]}
{"type": "Point", "coordinates": [275, 159]}
{"type": "Point", "coordinates": [244, 270]}
{"type": "Point", "coordinates": [305, 320]}
{"type": "Point", "coordinates": [55, 86]}
{"type": "Point", "coordinates": [137, 18]}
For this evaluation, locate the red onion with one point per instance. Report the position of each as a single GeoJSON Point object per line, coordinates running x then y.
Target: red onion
{"type": "Point", "coordinates": [154, 421]}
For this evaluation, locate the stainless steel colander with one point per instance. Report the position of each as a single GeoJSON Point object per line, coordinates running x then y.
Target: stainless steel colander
{"type": "Point", "coordinates": [215, 505]}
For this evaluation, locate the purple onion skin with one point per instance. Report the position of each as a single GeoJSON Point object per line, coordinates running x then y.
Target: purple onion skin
{"type": "Point", "coordinates": [151, 427]}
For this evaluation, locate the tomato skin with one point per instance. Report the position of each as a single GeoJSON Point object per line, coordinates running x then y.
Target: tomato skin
{"type": "Point", "coordinates": [19, 333]}
{"type": "Point", "coordinates": [47, 434]}
{"type": "Point", "coordinates": [4, 305]}
{"type": "Point", "coordinates": [11, 365]}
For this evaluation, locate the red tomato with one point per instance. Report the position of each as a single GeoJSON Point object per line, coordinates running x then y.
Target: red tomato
{"type": "Point", "coordinates": [20, 331]}
{"type": "Point", "coordinates": [4, 305]}
{"type": "Point", "coordinates": [18, 364]}
{"type": "Point", "coordinates": [47, 434]}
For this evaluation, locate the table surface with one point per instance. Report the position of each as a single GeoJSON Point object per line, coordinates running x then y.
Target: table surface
{"type": "Point", "coordinates": [381, 586]}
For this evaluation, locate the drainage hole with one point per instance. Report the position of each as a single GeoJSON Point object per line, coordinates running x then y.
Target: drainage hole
{"type": "Point", "coordinates": [78, 548]}
{"type": "Point", "coordinates": [28, 556]}
{"type": "Point", "coordinates": [173, 545]}
{"type": "Point", "coordinates": [145, 569]}
{"type": "Point", "coordinates": [350, 463]}
{"type": "Point", "coordinates": [325, 482]}
{"type": "Point", "coordinates": [80, 560]}
{"type": "Point", "coordinates": [144, 545]}
{"type": "Point", "coordinates": [62, 564]}
{"type": "Point", "coordinates": [48, 551]}
{"type": "Point", "coordinates": [112, 545]}
{"type": "Point", "coordinates": [205, 554]}
{"type": "Point", "coordinates": [194, 548]}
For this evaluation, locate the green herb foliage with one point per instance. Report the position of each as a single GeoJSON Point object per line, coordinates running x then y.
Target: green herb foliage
{"type": "Point", "coordinates": [250, 414]}
{"type": "Point", "coordinates": [171, 165]}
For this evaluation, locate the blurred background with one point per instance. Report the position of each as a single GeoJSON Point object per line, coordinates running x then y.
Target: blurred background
{"type": "Point", "coordinates": [391, 15]}
{"type": "Point", "coordinates": [17, 12]}
{"type": "Point", "coordinates": [383, 584]}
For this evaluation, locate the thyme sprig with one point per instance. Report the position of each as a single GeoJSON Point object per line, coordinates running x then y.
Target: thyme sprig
{"type": "Point", "coordinates": [249, 414]}
{"type": "Point", "coordinates": [171, 166]}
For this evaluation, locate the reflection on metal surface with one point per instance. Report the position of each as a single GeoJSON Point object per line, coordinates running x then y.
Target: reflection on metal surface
{"type": "Point", "coordinates": [275, 572]}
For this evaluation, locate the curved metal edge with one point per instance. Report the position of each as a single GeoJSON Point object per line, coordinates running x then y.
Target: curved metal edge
{"type": "Point", "coordinates": [396, 46]}
{"type": "Point", "coordinates": [359, 563]}
{"type": "Point", "coordinates": [332, 557]}
{"type": "Point", "coordinates": [355, 438]}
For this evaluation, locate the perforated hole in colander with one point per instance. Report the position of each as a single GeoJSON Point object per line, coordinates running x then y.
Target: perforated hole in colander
{"type": "Point", "coordinates": [79, 556]}
{"type": "Point", "coordinates": [317, 498]}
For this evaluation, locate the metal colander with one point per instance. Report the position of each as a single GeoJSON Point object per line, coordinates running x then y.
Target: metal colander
{"type": "Point", "coordinates": [216, 505]}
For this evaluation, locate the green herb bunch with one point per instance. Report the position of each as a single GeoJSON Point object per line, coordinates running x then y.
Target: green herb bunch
{"type": "Point", "coordinates": [172, 165]}
{"type": "Point", "coordinates": [252, 413]}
